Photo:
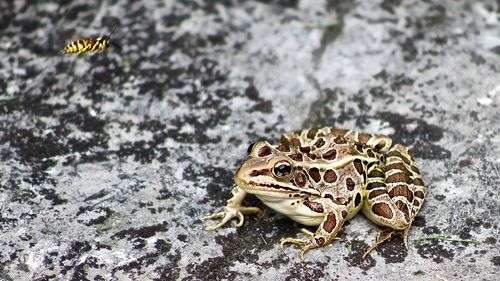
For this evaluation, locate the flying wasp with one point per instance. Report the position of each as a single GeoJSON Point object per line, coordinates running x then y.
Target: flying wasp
{"type": "Point", "coordinates": [89, 45]}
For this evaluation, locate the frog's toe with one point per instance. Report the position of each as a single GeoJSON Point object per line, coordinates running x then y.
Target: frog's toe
{"type": "Point", "coordinates": [229, 213]}
{"type": "Point", "coordinates": [300, 242]}
{"type": "Point", "coordinates": [225, 216]}
{"type": "Point", "coordinates": [307, 232]}
{"type": "Point", "coordinates": [250, 210]}
{"type": "Point", "coordinates": [213, 227]}
{"type": "Point", "coordinates": [306, 244]}
{"type": "Point", "coordinates": [405, 238]}
{"type": "Point", "coordinates": [241, 219]}
{"type": "Point", "coordinates": [305, 249]}
{"type": "Point", "coordinates": [383, 236]}
{"type": "Point", "coordinates": [212, 216]}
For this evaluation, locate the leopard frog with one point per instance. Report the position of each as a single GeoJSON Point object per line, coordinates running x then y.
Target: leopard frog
{"type": "Point", "coordinates": [323, 177]}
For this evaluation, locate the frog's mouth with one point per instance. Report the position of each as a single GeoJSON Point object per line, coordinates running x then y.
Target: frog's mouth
{"type": "Point", "coordinates": [269, 190]}
{"type": "Point", "coordinates": [260, 180]}
{"type": "Point", "coordinates": [265, 185]}
{"type": "Point", "coordinates": [251, 185]}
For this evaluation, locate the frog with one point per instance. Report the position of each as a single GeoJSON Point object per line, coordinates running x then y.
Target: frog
{"type": "Point", "coordinates": [323, 177]}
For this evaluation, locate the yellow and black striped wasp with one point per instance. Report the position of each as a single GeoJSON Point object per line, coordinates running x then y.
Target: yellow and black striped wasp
{"type": "Point", "coordinates": [89, 45]}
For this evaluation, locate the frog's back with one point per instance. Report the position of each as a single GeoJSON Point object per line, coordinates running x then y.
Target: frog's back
{"type": "Point", "coordinates": [321, 145]}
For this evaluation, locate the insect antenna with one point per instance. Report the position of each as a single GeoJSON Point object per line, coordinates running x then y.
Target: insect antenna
{"type": "Point", "coordinates": [113, 30]}
{"type": "Point", "coordinates": [115, 45]}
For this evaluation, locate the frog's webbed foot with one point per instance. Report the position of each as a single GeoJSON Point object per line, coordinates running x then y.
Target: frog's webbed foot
{"type": "Point", "coordinates": [233, 209]}
{"type": "Point", "coordinates": [229, 213]}
{"type": "Point", "coordinates": [306, 244]}
{"type": "Point", "coordinates": [313, 241]}
{"type": "Point", "coordinates": [328, 229]}
{"type": "Point", "coordinates": [386, 235]}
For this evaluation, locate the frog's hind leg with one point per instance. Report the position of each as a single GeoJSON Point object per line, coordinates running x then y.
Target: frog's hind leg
{"type": "Point", "coordinates": [394, 195]}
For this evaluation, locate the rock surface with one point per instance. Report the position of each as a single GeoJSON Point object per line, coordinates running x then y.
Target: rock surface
{"type": "Point", "coordinates": [108, 159]}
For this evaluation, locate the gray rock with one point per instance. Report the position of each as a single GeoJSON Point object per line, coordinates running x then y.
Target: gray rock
{"type": "Point", "coordinates": [108, 159]}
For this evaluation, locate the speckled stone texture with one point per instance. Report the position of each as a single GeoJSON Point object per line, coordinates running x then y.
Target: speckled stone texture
{"type": "Point", "coordinates": [107, 160]}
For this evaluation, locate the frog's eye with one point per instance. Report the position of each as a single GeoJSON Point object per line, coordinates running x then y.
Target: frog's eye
{"type": "Point", "coordinates": [282, 169]}
{"type": "Point", "coordinates": [250, 147]}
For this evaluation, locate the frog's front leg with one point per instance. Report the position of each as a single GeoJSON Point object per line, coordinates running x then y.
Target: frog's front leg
{"type": "Point", "coordinates": [232, 209]}
{"type": "Point", "coordinates": [334, 218]}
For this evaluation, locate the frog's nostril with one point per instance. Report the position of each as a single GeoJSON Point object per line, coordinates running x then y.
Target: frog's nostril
{"type": "Point", "coordinates": [250, 147]}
